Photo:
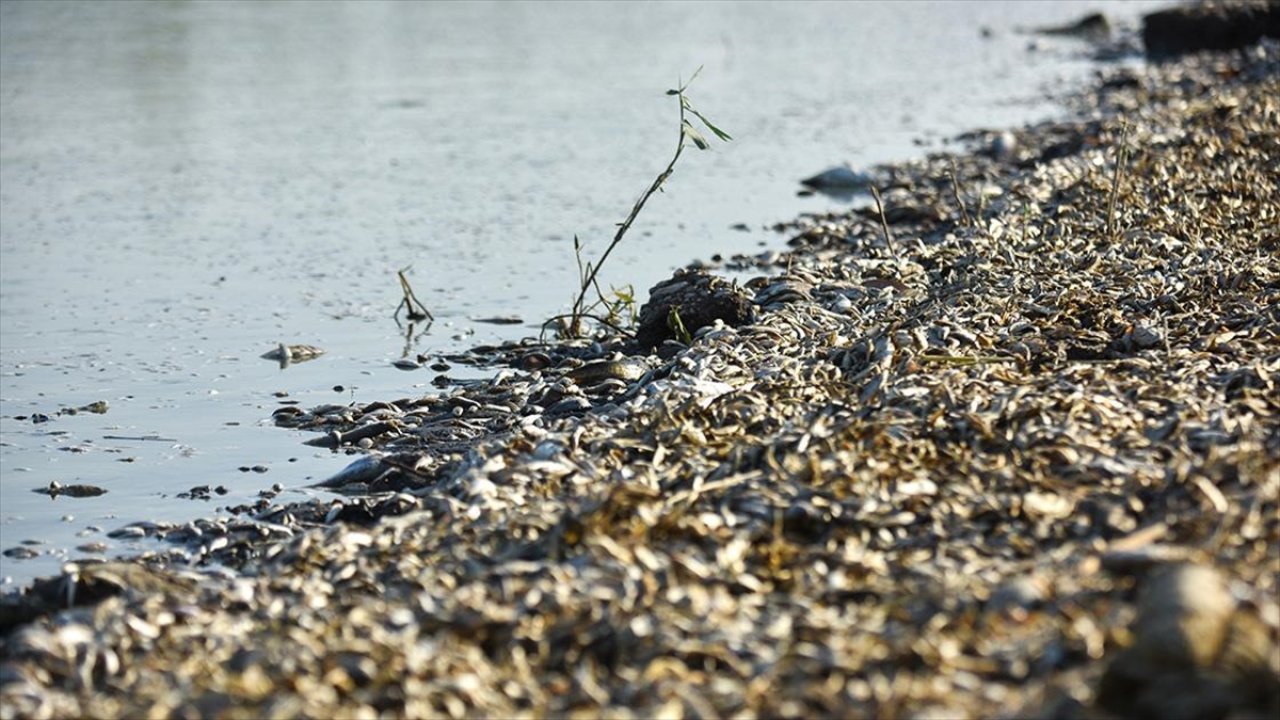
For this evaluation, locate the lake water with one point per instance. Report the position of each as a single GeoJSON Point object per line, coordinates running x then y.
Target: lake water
{"type": "Point", "coordinates": [183, 185]}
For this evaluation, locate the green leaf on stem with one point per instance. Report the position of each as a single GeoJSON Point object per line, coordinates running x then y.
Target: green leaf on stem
{"type": "Point", "coordinates": [718, 132]}
{"type": "Point", "coordinates": [692, 133]}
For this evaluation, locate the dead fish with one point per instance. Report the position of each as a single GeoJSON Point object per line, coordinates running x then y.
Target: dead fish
{"type": "Point", "coordinates": [364, 470]}
{"type": "Point", "coordinates": [626, 369]}
{"type": "Point", "coordinates": [841, 177]}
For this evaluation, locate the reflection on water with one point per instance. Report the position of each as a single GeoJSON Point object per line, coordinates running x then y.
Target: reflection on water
{"type": "Point", "coordinates": [185, 185]}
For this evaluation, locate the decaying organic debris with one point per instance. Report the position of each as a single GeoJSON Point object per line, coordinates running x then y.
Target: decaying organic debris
{"type": "Point", "coordinates": [1024, 462]}
{"type": "Point", "coordinates": [698, 299]}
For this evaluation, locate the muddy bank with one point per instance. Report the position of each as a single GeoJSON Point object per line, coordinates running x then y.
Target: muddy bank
{"type": "Point", "coordinates": [1008, 447]}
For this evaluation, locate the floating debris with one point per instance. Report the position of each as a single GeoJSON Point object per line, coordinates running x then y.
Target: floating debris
{"type": "Point", "coordinates": [286, 354]}
{"type": "Point", "coordinates": [97, 408]}
{"type": "Point", "coordinates": [502, 320]}
{"type": "Point", "coordinates": [140, 438]}
{"type": "Point", "coordinates": [75, 490]}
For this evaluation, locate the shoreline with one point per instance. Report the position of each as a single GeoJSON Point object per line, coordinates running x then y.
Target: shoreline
{"type": "Point", "coordinates": [945, 467]}
{"type": "Point", "coordinates": [362, 344]}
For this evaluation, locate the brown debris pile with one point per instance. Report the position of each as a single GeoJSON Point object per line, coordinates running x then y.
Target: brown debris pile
{"type": "Point", "coordinates": [1024, 459]}
{"type": "Point", "coordinates": [697, 300]}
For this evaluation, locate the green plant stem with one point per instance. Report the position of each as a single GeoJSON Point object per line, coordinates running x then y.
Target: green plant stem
{"type": "Point", "coordinates": [626, 224]}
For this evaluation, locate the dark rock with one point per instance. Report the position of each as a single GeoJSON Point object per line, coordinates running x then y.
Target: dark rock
{"type": "Point", "coordinates": [699, 298]}
{"type": "Point", "coordinates": [199, 492]}
{"type": "Point", "coordinates": [1090, 27]}
{"type": "Point", "coordinates": [1208, 26]}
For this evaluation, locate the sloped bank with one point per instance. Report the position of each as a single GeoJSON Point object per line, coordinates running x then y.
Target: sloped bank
{"type": "Point", "coordinates": [1013, 450]}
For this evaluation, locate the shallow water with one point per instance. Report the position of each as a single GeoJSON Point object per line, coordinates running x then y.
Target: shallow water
{"type": "Point", "coordinates": [184, 185]}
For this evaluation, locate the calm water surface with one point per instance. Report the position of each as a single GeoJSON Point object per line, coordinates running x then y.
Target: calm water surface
{"type": "Point", "coordinates": [184, 184]}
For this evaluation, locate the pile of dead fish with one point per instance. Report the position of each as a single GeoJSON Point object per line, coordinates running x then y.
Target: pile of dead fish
{"type": "Point", "coordinates": [1010, 446]}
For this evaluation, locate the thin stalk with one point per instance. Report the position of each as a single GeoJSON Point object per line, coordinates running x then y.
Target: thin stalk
{"type": "Point", "coordinates": [626, 224]}
{"type": "Point", "coordinates": [1122, 159]}
{"type": "Point", "coordinates": [955, 188]}
{"type": "Point", "coordinates": [416, 310]}
{"type": "Point", "coordinates": [597, 318]}
{"type": "Point", "coordinates": [884, 222]}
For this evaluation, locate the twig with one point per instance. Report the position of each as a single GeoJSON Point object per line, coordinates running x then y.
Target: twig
{"type": "Point", "coordinates": [410, 302]}
{"type": "Point", "coordinates": [1122, 159]}
{"type": "Point", "coordinates": [955, 188]}
{"type": "Point", "coordinates": [884, 222]}
{"type": "Point", "coordinates": [597, 318]}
